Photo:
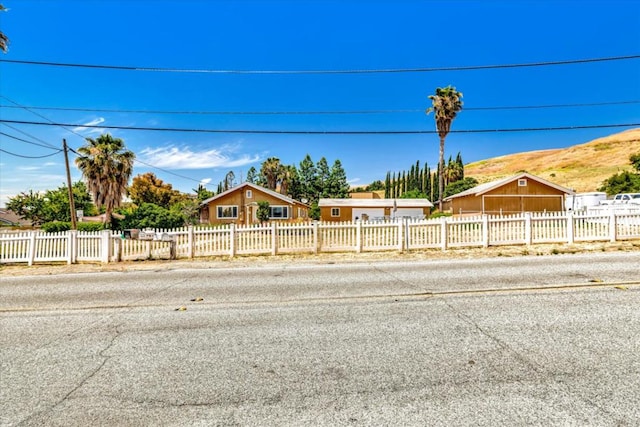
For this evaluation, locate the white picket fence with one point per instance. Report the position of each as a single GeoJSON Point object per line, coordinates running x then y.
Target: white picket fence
{"type": "Point", "coordinates": [316, 237]}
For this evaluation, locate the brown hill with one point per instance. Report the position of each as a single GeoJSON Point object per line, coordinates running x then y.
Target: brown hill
{"type": "Point", "coordinates": [582, 167]}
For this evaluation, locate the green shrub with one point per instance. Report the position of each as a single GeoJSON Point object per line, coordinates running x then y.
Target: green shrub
{"type": "Point", "coordinates": [56, 226]}
{"type": "Point", "coordinates": [90, 226]}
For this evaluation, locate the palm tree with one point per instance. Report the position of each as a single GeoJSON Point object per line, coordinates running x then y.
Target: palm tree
{"type": "Point", "coordinates": [446, 104]}
{"type": "Point", "coordinates": [106, 166]}
{"type": "Point", "coordinates": [271, 170]}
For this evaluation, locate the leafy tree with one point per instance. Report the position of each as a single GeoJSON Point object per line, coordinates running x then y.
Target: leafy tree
{"type": "Point", "coordinates": [459, 186]}
{"type": "Point", "coordinates": [413, 194]}
{"type": "Point", "coordinates": [51, 206]}
{"type": "Point", "coordinates": [635, 161]}
{"type": "Point", "coordinates": [376, 185]}
{"type": "Point", "coordinates": [149, 215]}
{"type": "Point", "coordinates": [445, 104]}
{"type": "Point", "coordinates": [337, 185]}
{"type": "Point", "coordinates": [188, 209]}
{"type": "Point", "coordinates": [623, 182]}
{"type": "Point", "coordinates": [314, 212]}
{"type": "Point", "coordinates": [307, 175]}
{"type": "Point", "coordinates": [322, 177]}
{"type": "Point", "coordinates": [252, 175]}
{"type": "Point", "coordinates": [148, 188]}
{"type": "Point", "coordinates": [263, 211]}
{"type": "Point", "coordinates": [202, 193]}
{"type": "Point", "coordinates": [29, 206]}
{"type": "Point", "coordinates": [4, 40]}
{"type": "Point", "coordinates": [106, 166]}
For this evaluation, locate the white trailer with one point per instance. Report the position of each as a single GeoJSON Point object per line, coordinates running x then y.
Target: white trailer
{"type": "Point", "coordinates": [583, 201]}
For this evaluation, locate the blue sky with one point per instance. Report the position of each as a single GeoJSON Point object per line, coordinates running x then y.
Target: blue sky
{"type": "Point", "coordinates": [306, 35]}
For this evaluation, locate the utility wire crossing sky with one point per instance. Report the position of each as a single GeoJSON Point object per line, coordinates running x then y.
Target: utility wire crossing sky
{"type": "Point", "coordinates": [240, 81]}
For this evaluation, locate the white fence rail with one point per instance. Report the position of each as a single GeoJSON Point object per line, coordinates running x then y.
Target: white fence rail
{"type": "Point", "coordinates": [315, 237]}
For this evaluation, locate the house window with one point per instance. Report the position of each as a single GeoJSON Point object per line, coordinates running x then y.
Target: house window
{"type": "Point", "coordinates": [279, 212]}
{"type": "Point", "coordinates": [249, 194]}
{"type": "Point", "coordinates": [302, 213]}
{"type": "Point", "coordinates": [229, 212]}
{"type": "Point", "coordinates": [522, 183]}
{"type": "Point", "coordinates": [335, 212]}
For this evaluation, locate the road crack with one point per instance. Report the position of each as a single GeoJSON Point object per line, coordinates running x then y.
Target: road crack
{"type": "Point", "coordinates": [105, 358]}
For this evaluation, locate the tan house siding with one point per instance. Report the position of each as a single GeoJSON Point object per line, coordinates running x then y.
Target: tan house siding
{"type": "Point", "coordinates": [344, 213]}
{"type": "Point", "coordinates": [522, 193]}
{"type": "Point", "coordinates": [243, 200]}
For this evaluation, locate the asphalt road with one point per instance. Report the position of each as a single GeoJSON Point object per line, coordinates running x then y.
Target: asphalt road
{"type": "Point", "coordinates": [549, 340]}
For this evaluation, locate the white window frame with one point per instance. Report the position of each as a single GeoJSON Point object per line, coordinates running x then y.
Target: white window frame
{"type": "Point", "coordinates": [335, 212]}
{"type": "Point", "coordinates": [249, 194]}
{"type": "Point", "coordinates": [221, 208]}
{"type": "Point", "coordinates": [522, 182]}
{"type": "Point", "coordinates": [285, 212]}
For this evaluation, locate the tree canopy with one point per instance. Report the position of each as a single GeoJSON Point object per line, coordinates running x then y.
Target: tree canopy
{"type": "Point", "coordinates": [52, 205]}
{"type": "Point", "coordinates": [446, 103]}
{"type": "Point", "coordinates": [106, 165]}
{"type": "Point", "coordinates": [626, 181]}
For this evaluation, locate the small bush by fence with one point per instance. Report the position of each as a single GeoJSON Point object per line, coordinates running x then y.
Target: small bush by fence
{"type": "Point", "coordinates": [316, 237]}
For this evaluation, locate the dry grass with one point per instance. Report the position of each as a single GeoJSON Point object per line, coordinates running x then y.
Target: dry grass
{"type": "Point", "coordinates": [582, 167]}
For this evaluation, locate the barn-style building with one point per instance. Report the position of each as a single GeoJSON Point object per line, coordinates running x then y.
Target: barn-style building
{"type": "Point", "coordinates": [519, 193]}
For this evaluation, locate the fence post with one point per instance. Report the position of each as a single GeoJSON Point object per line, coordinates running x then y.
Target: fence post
{"type": "Point", "coordinates": [32, 248]}
{"type": "Point", "coordinates": [232, 240]}
{"type": "Point", "coordinates": [274, 238]}
{"type": "Point", "coordinates": [118, 244]}
{"type": "Point", "coordinates": [72, 246]}
{"type": "Point", "coordinates": [528, 235]}
{"type": "Point", "coordinates": [570, 228]}
{"type": "Point", "coordinates": [485, 230]}
{"type": "Point", "coordinates": [444, 233]}
{"type": "Point", "coordinates": [403, 235]}
{"type": "Point", "coordinates": [105, 246]}
{"type": "Point", "coordinates": [316, 237]}
{"type": "Point", "coordinates": [613, 232]}
{"type": "Point", "coordinates": [190, 242]}
{"type": "Point", "coordinates": [358, 236]}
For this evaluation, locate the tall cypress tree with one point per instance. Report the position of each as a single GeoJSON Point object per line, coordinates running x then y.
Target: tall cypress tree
{"type": "Point", "coordinates": [387, 186]}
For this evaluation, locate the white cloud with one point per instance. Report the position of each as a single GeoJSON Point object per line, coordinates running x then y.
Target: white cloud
{"type": "Point", "coordinates": [93, 122]}
{"type": "Point", "coordinates": [172, 157]}
{"type": "Point", "coordinates": [205, 181]}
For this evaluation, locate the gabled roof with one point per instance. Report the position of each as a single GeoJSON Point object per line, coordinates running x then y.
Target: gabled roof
{"type": "Point", "coordinates": [481, 189]}
{"type": "Point", "coordinates": [376, 203]}
{"type": "Point", "coordinates": [9, 217]}
{"type": "Point", "coordinates": [254, 187]}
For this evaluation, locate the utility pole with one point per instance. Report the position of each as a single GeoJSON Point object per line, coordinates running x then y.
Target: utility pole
{"type": "Point", "coordinates": [72, 205]}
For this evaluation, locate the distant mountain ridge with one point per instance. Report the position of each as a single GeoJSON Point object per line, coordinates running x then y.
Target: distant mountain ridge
{"type": "Point", "coordinates": [581, 167]}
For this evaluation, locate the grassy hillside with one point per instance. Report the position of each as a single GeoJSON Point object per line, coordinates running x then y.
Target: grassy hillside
{"type": "Point", "coordinates": [581, 167]}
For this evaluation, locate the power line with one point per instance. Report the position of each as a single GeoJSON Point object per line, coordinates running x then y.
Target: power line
{"type": "Point", "coordinates": [41, 116]}
{"type": "Point", "coordinates": [46, 144]}
{"type": "Point", "coordinates": [29, 157]}
{"type": "Point", "coordinates": [28, 142]}
{"type": "Point", "coordinates": [382, 111]}
{"type": "Point", "coordinates": [317, 132]}
{"type": "Point", "coordinates": [347, 71]}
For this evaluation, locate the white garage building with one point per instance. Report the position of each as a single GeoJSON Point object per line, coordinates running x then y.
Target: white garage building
{"type": "Point", "coordinates": [373, 209]}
